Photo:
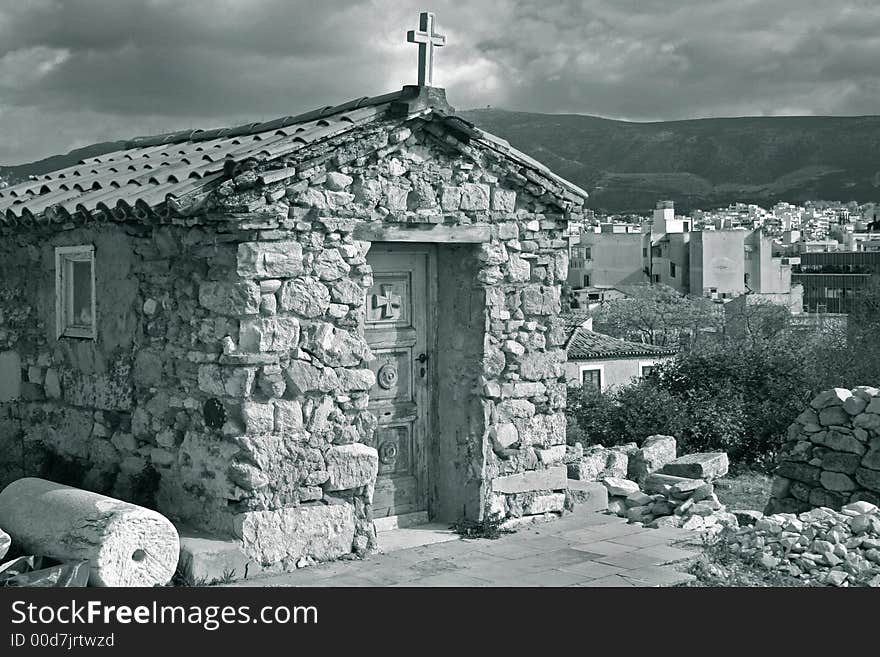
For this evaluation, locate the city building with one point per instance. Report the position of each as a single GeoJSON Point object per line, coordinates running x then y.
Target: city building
{"type": "Point", "coordinates": [834, 281]}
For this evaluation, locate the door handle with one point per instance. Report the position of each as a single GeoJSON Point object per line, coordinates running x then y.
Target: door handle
{"type": "Point", "coordinates": [423, 358]}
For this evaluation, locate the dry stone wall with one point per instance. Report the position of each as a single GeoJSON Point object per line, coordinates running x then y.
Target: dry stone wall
{"type": "Point", "coordinates": [832, 453]}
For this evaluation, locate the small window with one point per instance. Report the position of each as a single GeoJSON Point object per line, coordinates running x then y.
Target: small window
{"type": "Point", "coordinates": [672, 269]}
{"type": "Point", "coordinates": [588, 253]}
{"type": "Point", "coordinates": [648, 369]}
{"type": "Point", "coordinates": [586, 280]}
{"type": "Point", "coordinates": [644, 252]}
{"type": "Point", "coordinates": [656, 278]}
{"type": "Point", "coordinates": [592, 378]}
{"type": "Point", "coordinates": [75, 291]}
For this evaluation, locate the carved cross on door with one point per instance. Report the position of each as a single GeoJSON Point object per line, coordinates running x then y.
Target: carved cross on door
{"type": "Point", "coordinates": [388, 301]}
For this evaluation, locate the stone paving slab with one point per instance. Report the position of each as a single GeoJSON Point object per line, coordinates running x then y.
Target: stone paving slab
{"type": "Point", "coordinates": [587, 549]}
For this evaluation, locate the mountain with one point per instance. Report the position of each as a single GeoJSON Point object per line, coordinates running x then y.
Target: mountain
{"type": "Point", "coordinates": [627, 166]}
{"type": "Point", "coordinates": [20, 172]}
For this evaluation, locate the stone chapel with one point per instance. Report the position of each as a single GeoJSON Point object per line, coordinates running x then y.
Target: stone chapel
{"type": "Point", "coordinates": [289, 334]}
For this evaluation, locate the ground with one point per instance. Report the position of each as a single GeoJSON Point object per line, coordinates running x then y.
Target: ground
{"type": "Point", "coordinates": [747, 490]}
{"type": "Point", "coordinates": [580, 549]}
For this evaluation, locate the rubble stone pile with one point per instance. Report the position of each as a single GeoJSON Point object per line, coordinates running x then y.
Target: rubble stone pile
{"type": "Point", "coordinates": [653, 486]}
{"type": "Point", "coordinates": [836, 548]}
{"type": "Point", "coordinates": [832, 453]}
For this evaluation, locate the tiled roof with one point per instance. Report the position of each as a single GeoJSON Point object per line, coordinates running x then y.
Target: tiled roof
{"type": "Point", "coordinates": [574, 320]}
{"type": "Point", "coordinates": [151, 170]}
{"type": "Point", "coordinates": [588, 345]}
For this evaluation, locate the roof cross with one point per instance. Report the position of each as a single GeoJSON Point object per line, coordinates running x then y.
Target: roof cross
{"type": "Point", "coordinates": [427, 39]}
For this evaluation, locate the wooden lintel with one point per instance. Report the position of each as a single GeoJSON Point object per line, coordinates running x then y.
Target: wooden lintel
{"type": "Point", "coordinates": [429, 233]}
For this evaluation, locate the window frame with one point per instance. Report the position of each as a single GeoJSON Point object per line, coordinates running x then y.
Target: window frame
{"type": "Point", "coordinates": [650, 364]}
{"type": "Point", "coordinates": [600, 368]}
{"type": "Point", "coordinates": [64, 257]}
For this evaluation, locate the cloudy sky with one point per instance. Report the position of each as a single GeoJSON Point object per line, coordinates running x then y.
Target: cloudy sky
{"type": "Point", "coordinates": [73, 72]}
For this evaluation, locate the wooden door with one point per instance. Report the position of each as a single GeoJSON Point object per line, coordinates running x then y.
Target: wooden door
{"type": "Point", "coordinates": [397, 329]}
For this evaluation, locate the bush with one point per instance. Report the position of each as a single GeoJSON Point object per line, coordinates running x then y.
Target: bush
{"type": "Point", "coordinates": [737, 393]}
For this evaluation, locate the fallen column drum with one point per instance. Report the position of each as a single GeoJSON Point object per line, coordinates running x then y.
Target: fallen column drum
{"type": "Point", "coordinates": [125, 544]}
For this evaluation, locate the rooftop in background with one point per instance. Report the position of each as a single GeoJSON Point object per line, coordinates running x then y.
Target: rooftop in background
{"type": "Point", "coordinates": [589, 345]}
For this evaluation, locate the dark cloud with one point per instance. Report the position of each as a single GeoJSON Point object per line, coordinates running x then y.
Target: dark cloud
{"type": "Point", "coordinates": [77, 71]}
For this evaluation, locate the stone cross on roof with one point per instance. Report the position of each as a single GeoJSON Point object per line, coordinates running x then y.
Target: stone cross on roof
{"type": "Point", "coordinates": [427, 39]}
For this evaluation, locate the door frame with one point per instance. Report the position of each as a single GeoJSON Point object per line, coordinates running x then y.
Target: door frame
{"type": "Point", "coordinates": [427, 416]}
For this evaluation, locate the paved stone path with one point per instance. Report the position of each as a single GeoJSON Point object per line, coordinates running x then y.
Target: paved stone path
{"type": "Point", "coordinates": [581, 549]}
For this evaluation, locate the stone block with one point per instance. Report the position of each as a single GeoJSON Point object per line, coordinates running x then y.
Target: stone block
{"type": "Point", "coordinates": [842, 442]}
{"type": "Point", "coordinates": [657, 482]}
{"type": "Point", "coordinates": [337, 182]}
{"type": "Point", "coordinates": [268, 334]}
{"type": "Point", "coordinates": [546, 479]}
{"type": "Point", "coordinates": [821, 497]}
{"type": "Point", "coordinates": [518, 269]}
{"type": "Point", "coordinates": [258, 418]}
{"type": "Point", "coordinates": [544, 503]}
{"type": "Point", "coordinates": [506, 434]}
{"type": "Point", "coordinates": [450, 198]}
{"type": "Point", "coordinates": [52, 384]}
{"type": "Point", "coordinates": [270, 259]}
{"type": "Point", "coordinates": [703, 465]}
{"type": "Point", "coordinates": [833, 397]}
{"type": "Point", "coordinates": [656, 451]}
{"type": "Point", "coordinates": [540, 300]}
{"type": "Point", "coordinates": [10, 376]}
{"type": "Point", "coordinates": [598, 462]}
{"type": "Point", "coordinates": [320, 531]}
{"type": "Point", "coordinates": [303, 378]}
{"type": "Point", "coordinates": [551, 455]}
{"type": "Point", "coordinates": [329, 265]}
{"type": "Point", "coordinates": [474, 197]}
{"type": "Point", "coordinates": [538, 366]}
{"type": "Point", "coordinates": [833, 415]}
{"type": "Point", "coordinates": [288, 416]}
{"type": "Point", "coordinates": [841, 462]}
{"type": "Point", "coordinates": [336, 347]}
{"type": "Point", "coordinates": [638, 498]}
{"type": "Point", "coordinates": [868, 478]}
{"type": "Point", "coordinates": [586, 496]}
{"type": "Point", "coordinates": [305, 296]}
{"type": "Point", "coordinates": [799, 472]}
{"type": "Point", "coordinates": [355, 379]}
{"type": "Point", "coordinates": [868, 422]}
{"type": "Point", "coordinates": [347, 291]}
{"type": "Point", "coordinates": [351, 466]}
{"type": "Point", "coordinates": [206, 560]}
{"type": "Point", "coordinates": [855, 405]}
{"type": "Point", "coordinates": [870, 460]}
{"type": "Point", "coordinates": [503, 200]}
{"type": "Point", "coordinates": [230, 298]}
{"type": "Point", "coordinates": [836, 481]}
{"type": "Point", "coordinates": [620, 487]}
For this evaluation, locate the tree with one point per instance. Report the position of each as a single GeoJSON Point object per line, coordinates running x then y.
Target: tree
{"type": "Point", "coordinates": [657, 315]}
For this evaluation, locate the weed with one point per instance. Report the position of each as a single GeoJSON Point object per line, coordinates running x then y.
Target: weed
{"type": "Point", "coordinates": [491, 526]}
